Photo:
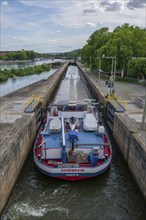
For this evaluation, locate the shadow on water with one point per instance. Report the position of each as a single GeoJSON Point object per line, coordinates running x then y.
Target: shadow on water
{"type": "Point", "coordinates": [113, 195]}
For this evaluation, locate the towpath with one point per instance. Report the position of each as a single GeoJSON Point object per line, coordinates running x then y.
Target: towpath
{"type": "Point", "coordinates": [128, 92]}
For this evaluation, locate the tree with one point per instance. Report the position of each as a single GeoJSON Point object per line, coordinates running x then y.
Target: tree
{"type": "Point", "coordinates": [123, 43]}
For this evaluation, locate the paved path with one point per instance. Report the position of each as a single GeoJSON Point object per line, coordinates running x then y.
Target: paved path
{"type": "Point", "coordinates": [126, 91]}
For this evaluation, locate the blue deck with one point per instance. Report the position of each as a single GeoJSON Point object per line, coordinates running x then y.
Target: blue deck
{"type": "Point", "coordinates": [86, 139]}
{"type": "Point", "coordinates": [53, 140]}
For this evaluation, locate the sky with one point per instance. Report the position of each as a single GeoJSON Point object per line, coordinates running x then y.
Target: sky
{"type": "Point", "coordinates": [62, 25]}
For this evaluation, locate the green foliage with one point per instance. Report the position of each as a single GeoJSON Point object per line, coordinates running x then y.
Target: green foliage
{"type": "Point", "coordinates": [69, 55]}
{"type": "Point", "coordinates": [20, 55]}
{"type": "Point", "coordinates": [5, 74]}
{"type": "Point", "coordinates": [30, 55]}
{"type": "Point", "coordinates": [123, 43]}
{"type": "Point", "coordinates": [137, 66]}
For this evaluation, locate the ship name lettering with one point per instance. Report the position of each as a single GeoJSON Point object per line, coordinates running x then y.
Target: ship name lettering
{"type": "Point", "coordinates": [72, 170]}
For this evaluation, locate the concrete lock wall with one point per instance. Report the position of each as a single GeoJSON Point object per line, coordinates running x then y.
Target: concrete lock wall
{"type": "Point", "coordinates": [13, 154]}
{"type": "Point", "coordinates": [132, 151]}
{"type": "Point", "coordinates": [130, 146]}
{"type": "Point", "coordinates": [17, 145]}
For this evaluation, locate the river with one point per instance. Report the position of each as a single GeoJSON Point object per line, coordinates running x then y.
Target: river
{"type": "Point", "coordinates": [18, 82]}
{"type": "Point", "coordinates": [27, 64]}
{"type": "Point", "coordinates": [113, 195]}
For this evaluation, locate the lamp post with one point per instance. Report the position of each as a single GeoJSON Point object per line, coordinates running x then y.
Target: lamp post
{"type": "Point", "coordinates": [90, 61]}
{"type": "Point", "coordinates": [113, 71]}
{"type": "Point", "coordinates": [99, 70]}
{"type": "Point", "coordinates": [144, 117]}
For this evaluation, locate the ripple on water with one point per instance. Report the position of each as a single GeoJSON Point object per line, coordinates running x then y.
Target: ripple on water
{"type": "Point", "coordinates": [61, 190]}
{"type": "Point", "coordinates": [28, 210]}
{"type": "Point", "coordinates": [38, 205]}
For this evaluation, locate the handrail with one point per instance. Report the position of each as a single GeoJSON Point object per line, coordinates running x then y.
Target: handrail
{"type": "Point", "coordinates": [120, 101]}
{"type": "Point", "coordinates": [116, 101]}
{"type": "Point", "coordinates": [42, 144]}
{"type": "Point", "coordinates": [113, 102]}
{"type": "Point", "coordinates": [34, 100]}
{"type": "Point", "coordinates": [46, 122]}
{"type": "Point", "coordinates": [101, 144]}
{"type": "Point", "coordinates": [63, 133]}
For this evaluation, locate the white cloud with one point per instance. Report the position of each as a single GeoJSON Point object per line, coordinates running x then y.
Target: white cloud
{"type": "Point", "coordinates": [53, 41]}
{"type": "Point", "coordinates": [76, 14]}
{"type": "Point", "coordinates": [32, 23]}
{"type": "Point", "coordinates": [5, 3]}
{"type": "Point", "coordinates": [91, 24]}
{"type": "Point", "coordinates": [55, 32]}
{"type": "Point", "coordinates": [57, 26]}
{"type": "Point", "coordinates": [19, 39]}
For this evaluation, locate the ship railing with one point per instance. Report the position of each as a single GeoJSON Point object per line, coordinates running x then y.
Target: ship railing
{"type": "Point", "coordinates": [46, 122]}
{"type": "Point", "coordinates": [92, 145]}
{"type": "Point", "coordinates": [63, 133]}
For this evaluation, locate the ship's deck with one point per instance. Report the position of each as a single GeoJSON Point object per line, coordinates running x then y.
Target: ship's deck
{"type": "Point", "coordinates": [86, 139]}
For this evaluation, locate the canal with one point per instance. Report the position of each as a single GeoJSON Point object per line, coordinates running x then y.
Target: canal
{"type": "Point", "coordinates": [113, 195]}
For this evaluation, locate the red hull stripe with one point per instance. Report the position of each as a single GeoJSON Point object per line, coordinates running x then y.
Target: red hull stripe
{"type": "Point", "coordinates": [75, 177]}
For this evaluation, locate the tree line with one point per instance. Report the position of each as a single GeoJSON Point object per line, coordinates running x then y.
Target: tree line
{"type": "Point", "coordinates": [70, 55]}
{"type": "Point", "coordinates": [20, 55]}
{"type": "Point", "coordinates": [23, 55]}
{"type": "Point", "coordinates": [126, 43]}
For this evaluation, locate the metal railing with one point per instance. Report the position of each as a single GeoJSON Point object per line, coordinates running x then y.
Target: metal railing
{"type": "Point", "coordinates": [120, 101]}
{"type": "Point", "coordinates": [33, 100]}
